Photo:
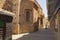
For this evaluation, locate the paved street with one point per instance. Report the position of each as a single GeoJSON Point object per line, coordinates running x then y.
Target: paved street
{"type": "Point", "coordinates": [43, 34]}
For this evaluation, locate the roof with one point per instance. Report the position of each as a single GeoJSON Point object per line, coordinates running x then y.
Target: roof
{"type": "Point", "coordinates": [56, 8]}
{"type": "Point", "coordinates": [37, 4]}
{"type": "Point", "coordinates": [57, 4]}
{"type": "Point", "coordinates": [2, 11]}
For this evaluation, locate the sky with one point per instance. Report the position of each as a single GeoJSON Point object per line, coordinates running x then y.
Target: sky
{"type": "Point", "coordinates": [43, 6]}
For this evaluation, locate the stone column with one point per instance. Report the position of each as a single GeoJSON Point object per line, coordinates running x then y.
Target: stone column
{"type": "Point", "coordinates": [16, 10]}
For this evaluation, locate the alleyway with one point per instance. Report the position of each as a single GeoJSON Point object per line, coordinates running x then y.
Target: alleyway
{"type": "Point", "coordinates": [44, 34]}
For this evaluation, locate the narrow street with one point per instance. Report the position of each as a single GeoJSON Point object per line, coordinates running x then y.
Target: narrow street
{"type": "Point", "coordinates": [43, 34]}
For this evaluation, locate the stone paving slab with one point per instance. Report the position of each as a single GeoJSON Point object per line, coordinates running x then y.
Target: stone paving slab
{"type": "Point", "coordinates": [40, 35]}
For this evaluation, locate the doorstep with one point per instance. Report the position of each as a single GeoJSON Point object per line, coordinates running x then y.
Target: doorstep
{"type": "Point", "coordinates": [17, 36]}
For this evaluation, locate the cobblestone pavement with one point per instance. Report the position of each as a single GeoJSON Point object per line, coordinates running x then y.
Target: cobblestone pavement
{"type": "Point", "coordinates": [44, 34]}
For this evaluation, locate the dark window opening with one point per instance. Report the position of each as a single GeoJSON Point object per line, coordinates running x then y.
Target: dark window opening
{"type": "Point", "coordinates": [41, 21]}
{"type": "Point", "coordinates": [28, 16]}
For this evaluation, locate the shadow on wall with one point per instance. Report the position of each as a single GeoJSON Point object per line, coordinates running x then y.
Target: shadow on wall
{"type": "Point", "coordinates": [36, 25]}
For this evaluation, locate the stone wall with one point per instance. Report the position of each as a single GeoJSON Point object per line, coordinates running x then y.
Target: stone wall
{"type": "Point", "coordinates": [58, 17]}
{"type": "Point", "coordinates": [1, 32]}
{"type": "Point", "coordinates": [16, 10]}
{"type": "Point", "coordinates": [52, 25]}
{"type": "Point", "coordinates": [7, 5]}
{"type": "Point", "coordinates": [25, 26]}
{"type": "Point", "coordinates": [20, 7]}
{"type": "Point", "coordinates": [55, 22]}
{"type": "Point", "coordinates": [8, 31]}
{"type": "Point", "coordinates": [2, 2]}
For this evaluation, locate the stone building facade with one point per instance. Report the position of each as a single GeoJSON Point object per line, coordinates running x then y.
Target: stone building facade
{"type": "Point", "coordinates": [28, 14]}
{"type": "Point", "coordinates": [51, 6]}
{"type": "Point", "coordinates": [12, 6]}
{"type": "Point", "coordinates": [6, 31]}
{"type": "Point", "coordinates": [55, 18]}
{"type": "Point", "coordinates": [57, 21]}
{"type": "Point", "coordinates": [5, 25]}
{"type": "Point", "coordinates": [45, 22]}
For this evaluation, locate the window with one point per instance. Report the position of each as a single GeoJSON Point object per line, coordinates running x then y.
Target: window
{"type": "Point", "coordinates": [28, 16]}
